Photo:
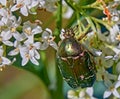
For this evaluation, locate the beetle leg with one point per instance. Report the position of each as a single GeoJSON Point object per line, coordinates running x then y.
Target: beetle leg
{"type": "Point", "coordinates": [65, 59]}
{"type": "Point", "coordinates": [74, 58]}
{"type": "Point", "coordinates": [82, 54]}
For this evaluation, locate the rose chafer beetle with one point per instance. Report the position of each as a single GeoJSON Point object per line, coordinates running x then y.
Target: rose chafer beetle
{"type": "Point", "coordinates": [75, 61]}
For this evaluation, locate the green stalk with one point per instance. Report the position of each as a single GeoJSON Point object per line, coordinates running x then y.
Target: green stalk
{"type": "Point", "coordinates": [58, 92]}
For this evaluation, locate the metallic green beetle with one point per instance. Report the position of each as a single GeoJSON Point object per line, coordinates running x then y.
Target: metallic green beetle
{"type": "Point", "coordinates": [75, 62]}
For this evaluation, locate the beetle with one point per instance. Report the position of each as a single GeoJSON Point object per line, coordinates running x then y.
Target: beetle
{"type": "Point", "coordinates": [75, 61]}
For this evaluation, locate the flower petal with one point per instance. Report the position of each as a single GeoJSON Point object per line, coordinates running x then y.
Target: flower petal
{"type": "Point", "coordinates": [82, 94]}
{"type": "Point", "coordinates": [48, 30]}
{"type": "Point", "coordinates": [37, 55]}
{"type": "Point", "coordinates": [17, 36]}
{"type": "Point", "coordinates": [24, 11]}
{"type": "Point", "coordinates": [44, 45]}
{"type": "Point", "coordinates": [13, 52]}
{"type": "Point", "coordinates": [3, 12]}
{"type": "Point", "coordinates": [3, 2]}
{"type": "Point", "coordinates": [16, 43]}
{"type": "Point", "coordinates": [107, 94]}
{"type": "Point", "coordinates": [45, 35]}
{"type": "Point", "coordinates": [23, 36]}
{"type": "Point", "coordinates": [54, 45]}
{"type": "Point", "coordinates": [1, 23]}
{"type": "Point", "coordinates": [37, 30]}
{"type": "Point", "coordinates": [5, 61]}
{"type": "Point", "coordinates": [37, 45]}
{"type": "Point", "coordinates": [24, 61]}
{"type": "Point", "coordinates": [89, 91]}
{"type": "Point", "coordinates": [6, 35]}
{"type": "Point", "coordinates": [34, 3]}
{"type": "Point", "coordinates": [30, 40]}
{"type": "Point", "coordinates": [71, 94]}
{"type": "Point", "coordinates": [27, 2]}
{"type": "Point", "coordinates": [117, 84]}
{"type": "Point", "coordinates": [23, 51]}
{"type": "Point", "coordinates": [8, 43]}
{"type": "Point", "coordinates": [31, 53]}
{"type": "Point", "coordinates": [14, 8]}
{"type": "Point", "coordinates": [34, 61]}
{"type": "Point", "coordinates": [115, 93]}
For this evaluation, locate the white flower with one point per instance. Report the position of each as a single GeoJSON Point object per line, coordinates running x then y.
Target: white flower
{"type": "Point", "coordinates": [103, 75]}
{"type": "Point", "coordinates": [112, 35]}
{"type": "Point", "coordinates": [29, 52]}
{"type": "Point", "coordinates": [41, 3]}
{"type": "Point", "coordinates": [4, 38]}
{"type": "Point", "coordinates": [11, 30]}
{"type": "Point", "coordinates": [3, 2]}
{"type": "Point", "coordinates": [15, 51]}
{"type": "Point", "coordinates": [47, 39]}
{"type": "Point", "coordinates": [113, 90]}
{"type": "Point", "coordinates": [67, 11]}
{"type": "Point", "coordinates": [30, 29]}
{"type": "Point", "coordinates": [6, 17]}
{"type": "Point", "coordinates": [86, 93]}
{"type": "Point", "coordinates": [3, 60]}
{"type": "Point", "coordinates": [117, 53]}
{"type": "Point", "coordinates": [24, 6]}
{"type": "Point", "coordinates": [105, 61]}
{"type": "Point", "coordinates": [49, 5]}
{"type": "Point", "coordinates": [72, 94]}
{"type": "Point", "coordinates": [27, 55]}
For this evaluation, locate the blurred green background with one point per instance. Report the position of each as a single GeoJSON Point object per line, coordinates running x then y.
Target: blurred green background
{"type": "Point", "coordinates": [19, 84]}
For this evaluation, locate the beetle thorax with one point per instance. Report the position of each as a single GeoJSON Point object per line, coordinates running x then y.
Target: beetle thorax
{"type": "Point", "coordinates": [69, 47]}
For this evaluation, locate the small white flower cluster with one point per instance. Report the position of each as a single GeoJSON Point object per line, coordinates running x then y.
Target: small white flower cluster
{"type": "Point", "coordinates": [21, 36]}
{"type": "Point", "coordinates": [28, 47]}
{"type": "Point", "coordinates": [29, 6]}
{"type": "Point", "coordinates": [113, 89]}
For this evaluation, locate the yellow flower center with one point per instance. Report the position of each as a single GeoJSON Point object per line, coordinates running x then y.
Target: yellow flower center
{"type": "Point", "coordinates": [1, 6]}
{"type": "Point", "coordinates": [31, 47]}
{"type": "Point", "coordinates": [17, 49]}
{"type": "Point", "coordinates": [112, 88]}
{"type": "Point", "coordinates": [27, 31]}
{"type": "Point", "coordinates": [19, 5]}
{"type": "Point", "coordinates": [13, 29]}
{"type": "Point", "coordinates": [118, 37]}
{"type": "Point", "coordinates": [51, 39]}
{"type": "Point", "coordinates": [27, 56]}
